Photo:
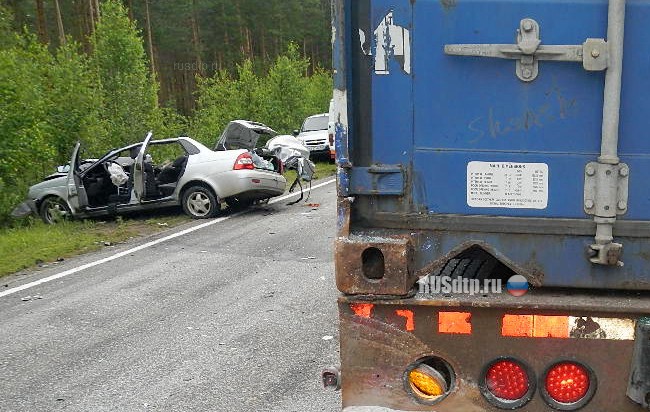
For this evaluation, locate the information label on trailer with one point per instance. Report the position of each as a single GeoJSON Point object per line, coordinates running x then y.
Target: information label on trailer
{"type": "Point", "coordinates": [507, 185]}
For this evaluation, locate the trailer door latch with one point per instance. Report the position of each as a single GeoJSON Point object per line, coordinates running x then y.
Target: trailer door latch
{"type": "Point", "coordinates": [528, 51]}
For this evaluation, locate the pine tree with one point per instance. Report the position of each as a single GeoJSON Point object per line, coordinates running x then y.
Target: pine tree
{"type": "Point", "coordinates": [129, 99]}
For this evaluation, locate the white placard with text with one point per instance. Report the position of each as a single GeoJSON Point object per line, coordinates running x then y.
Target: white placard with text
{"type": "Point", "coordinates": [507, 185]}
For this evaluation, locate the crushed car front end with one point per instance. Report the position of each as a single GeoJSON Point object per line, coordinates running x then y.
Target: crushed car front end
{"type": "Point", "coordinates": [53, 186]}
{"type": "Point", "coordinates": [26, 208]}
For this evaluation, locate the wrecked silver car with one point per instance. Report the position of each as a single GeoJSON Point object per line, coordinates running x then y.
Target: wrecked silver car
{"type": "Point", "coordinates": [160, 173]}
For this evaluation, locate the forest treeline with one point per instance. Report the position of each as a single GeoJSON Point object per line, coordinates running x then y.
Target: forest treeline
{"type": "Point", "coordinates": [91, 79]}
{"type": "Point", "coordinates": [186, 38]}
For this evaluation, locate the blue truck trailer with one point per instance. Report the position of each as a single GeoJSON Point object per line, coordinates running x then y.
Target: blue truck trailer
{"type": "Point", "coordinates": [493, 238]}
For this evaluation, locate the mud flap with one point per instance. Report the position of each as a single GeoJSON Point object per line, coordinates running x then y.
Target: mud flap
{"type": "Point", "coordinates": [639, 387]}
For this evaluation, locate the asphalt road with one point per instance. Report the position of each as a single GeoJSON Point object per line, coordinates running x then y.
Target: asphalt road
{"type": "Point", "coordinates": [237, 316]}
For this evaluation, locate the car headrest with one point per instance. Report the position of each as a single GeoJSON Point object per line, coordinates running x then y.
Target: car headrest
{"type": "Point", "coordinates": [179, 161]}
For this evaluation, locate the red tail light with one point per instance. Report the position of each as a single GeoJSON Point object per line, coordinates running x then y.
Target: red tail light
{"type": "Point", "coordinates": [508, 382]}
{"type": "Point", "coordinates": [569, 384]}
{"type": "Point", "coordinates": [244, 161]}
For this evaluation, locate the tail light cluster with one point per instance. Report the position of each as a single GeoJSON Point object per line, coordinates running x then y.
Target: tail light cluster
{"type": "Point", "coordinates": [568, 385]}
{"type": "Point", "coordinates": [506, 383]}
{"type": "Point", "coordinates": [244, 161]}
{"type": "Point", "coordinates": [565, 386]}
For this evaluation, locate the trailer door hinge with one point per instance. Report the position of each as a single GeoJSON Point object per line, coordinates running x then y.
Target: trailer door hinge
{"type": "Point", "coordinates": [601, 180]}
{"type": "Point", "coordinates": [528, 51]}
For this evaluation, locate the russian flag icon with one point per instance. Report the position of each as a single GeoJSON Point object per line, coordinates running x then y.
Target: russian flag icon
{"type": "Point", "coordinates": [517, 285]}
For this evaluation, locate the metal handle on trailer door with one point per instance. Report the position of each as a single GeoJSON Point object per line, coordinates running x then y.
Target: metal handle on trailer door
{"type": "Point", "coordinates": [606, 180]}
{"type": "Point", "coordinates": [610, 196]}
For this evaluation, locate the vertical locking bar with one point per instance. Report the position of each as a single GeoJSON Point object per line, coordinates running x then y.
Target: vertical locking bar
{"type": "Point", "coordinates": [606, 251]}
{"type": "Point", "coordinates": [612, 103]}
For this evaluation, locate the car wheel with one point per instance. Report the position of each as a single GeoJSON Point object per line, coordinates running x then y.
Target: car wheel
{"type": "Point", "coordinates": [200, 203]}
{"type": "Point", "coordinates": [54, 210]}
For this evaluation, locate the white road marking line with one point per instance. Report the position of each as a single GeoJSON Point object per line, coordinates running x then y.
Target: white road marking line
{"type": "Point", "coordinates": [144, 246]}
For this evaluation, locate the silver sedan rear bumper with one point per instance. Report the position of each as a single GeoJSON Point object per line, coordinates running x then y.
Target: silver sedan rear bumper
{"type": "Point", "coordinates": [248, 183]}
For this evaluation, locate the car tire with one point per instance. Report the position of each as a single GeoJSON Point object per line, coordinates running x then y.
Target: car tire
{"type": "Point", "coordinates": [200, 203]}
{"type": "Point", "coordinates": [54, 210]}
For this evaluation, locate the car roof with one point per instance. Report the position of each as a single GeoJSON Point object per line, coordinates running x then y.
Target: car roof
{"type": "Point", "coordinates": [318, 115]}
{"type": "Point", "coordinates": [160, 141]}
{"type": "Point", "coordinates": [131, 146]}
{"type": "Point", "coordinates": [170, 140]}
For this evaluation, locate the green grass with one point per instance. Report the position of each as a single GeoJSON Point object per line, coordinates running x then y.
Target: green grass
{"type": "Point", "coordinates": [26, 247]}
{"type": "Point", "coordinates": [323, 170]}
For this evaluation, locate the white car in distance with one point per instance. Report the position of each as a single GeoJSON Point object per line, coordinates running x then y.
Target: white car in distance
{"type": "Point", "coordinates": [315, 135]}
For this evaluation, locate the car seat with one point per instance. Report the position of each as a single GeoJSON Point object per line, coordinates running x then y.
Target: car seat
{"type": "Point", "coordinates": [151, 187]}
{"type": "Point", "coordinates": [169, 175]}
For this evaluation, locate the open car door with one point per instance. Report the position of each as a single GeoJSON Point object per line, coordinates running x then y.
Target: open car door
{"type": "Point", "coordinates": [139, 173]}
{"type": "Point", "coordinates": [77, 197]}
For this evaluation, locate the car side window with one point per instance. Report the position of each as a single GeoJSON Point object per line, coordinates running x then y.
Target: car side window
{"type": "Point", "coordinates": [189, 147]}
{"type": "Point", "coordinates": [161, 154]}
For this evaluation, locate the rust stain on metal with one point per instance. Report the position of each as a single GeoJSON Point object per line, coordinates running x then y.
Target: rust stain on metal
{"type": "Point", "coordinates": [344, 205]}
{"type": "Point", "coordinates": [448, 4]}
{"type": "Point", "coordinates": [375, 355]}
{"type": "Point", "coordinates": [533, 271]}
{"type": "Point", "coordinates": [587, 328]}
{"type": "Point", "coordinates": [440, 262]}
{"type": "Point", "coordinates": [397, 277]}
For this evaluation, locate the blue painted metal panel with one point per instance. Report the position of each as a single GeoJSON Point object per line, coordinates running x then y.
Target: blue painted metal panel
{"type": "Point", "coordinates": [445, 175]}
{"type": "Point", "coordinates": [476, 103]}
{"type": "Point", "coordinates": [448, 111]}
{"type": "Point", "coordinates": [472, 108]}
{"type": "Point", "coordinates": [392, 108]}
{"type": "Point", "coordinates": [377, 180]}
{"type": "Point", "coordinates": [558, 258]}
